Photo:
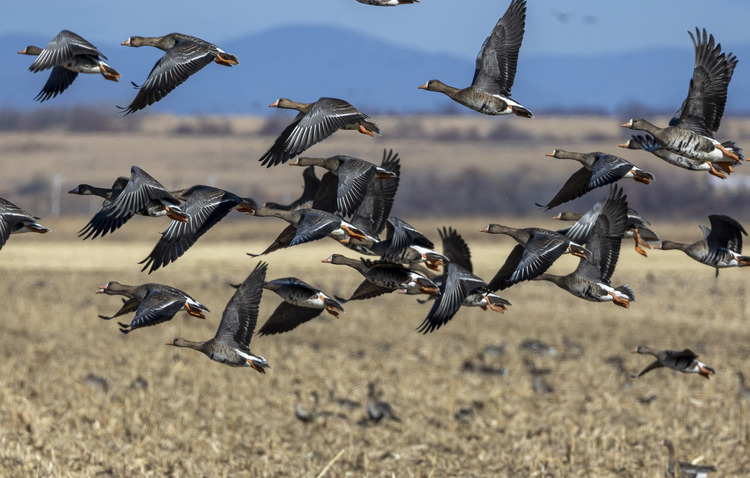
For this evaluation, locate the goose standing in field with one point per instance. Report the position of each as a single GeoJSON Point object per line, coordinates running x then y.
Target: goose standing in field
{"type": "Point", "coordinates": [591, 279]}
{"type": "Point", "coordinates": [637, 229]}
{"type": "Point", "coordinates": [383, 277]}
{"type": "Point", "coordinates": [720, 247]}
{"type": "Point", "coordinates": [205, 206]}
{"type": "Point", "coordinates": [152, 303]}
{"type": "Point", "coordinates": [67, 54]}
{"type": "Point", "coordinates": [314, 123]}
{"type": "Point", "coordinates": [353, 175]}
{"type": "Point", "coordinates": [184, 56]}
{"type": "Point", "coordinates": [14, 220]}
{"type": "Point", "coordinates": [687, 470]}
{"type": "Point", "coordinates": [458, 285]}
{"type": "Point", "coordinates": [495, 71]}
{"type": "Point", "coordinates": [685, 361]}
{"type": "Point", "coordinates": [302, 303]}
{"type": "Point", "coordinates": [231, 344]}
{"type": "Point", "coordinates": [140, 194]}
{"type": "Point", "coordinates": [378, 409]}
{"type": "Point", "coordinates": [688, 141]}
{"type": "Point", "coordinates": [599, 169]}
{"type": "Point", "coordinates": [537, 249]}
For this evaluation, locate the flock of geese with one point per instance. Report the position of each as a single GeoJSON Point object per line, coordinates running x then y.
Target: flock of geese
{"type": "Point", "coordinates": [351, 202]}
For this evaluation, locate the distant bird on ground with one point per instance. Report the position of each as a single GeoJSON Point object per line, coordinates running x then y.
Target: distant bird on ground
{"type": "Point", "coordinates": [314, 123]}
{"type": "Point", "coordinates": [537, 249]}
{"type": "Point", "coordinates": [540, 386]}
{"type": "Point", "coordinates": [140, 194]}
{"type": "Point", "coordinates": [305, 415]}
{"type": "Point", "coordinates": [743, 390]}
{"type": "Point", "coordinates": [720, 247]}
{"type": "Point", "coordinates": [14, 220]}
{"type": "Point", "coordinates": [302, 303]}
{"type": "Point", "coordinates": [646, 142]}
{"type": "Point", "coordinates": [495, 71]}
{"type": "Point", "coordinates": [382, 277]}
{"type": "Point", "coordinates": [152, 303]}
{"type": "Point", "coordinates": [387, 3]}
{"type": "Point", "coordinates": [184, 56]}
{"type": "Point", "coordinates": [67, 54]}
{"type": "Point", "coordinates": [377, 409]}
{"type": "Point", "coordinates": [599, 169]}
{"type": "Point", "coordinates": [637, 229]}
{"type": "Point", "coordinates": [458, 285]}
{"type": "Point", "coordinates": [685, 361]}
{"type": "Point", "coordinates": [591, 279]}
{"type": "Point", "coordinates": [205, 206]}
{"type": "Point", "coordinates": [231, 344]}
{"type": "Point", "coordinates": [688, 141]}
{"type": "Point", "coordinates": [687, 470]}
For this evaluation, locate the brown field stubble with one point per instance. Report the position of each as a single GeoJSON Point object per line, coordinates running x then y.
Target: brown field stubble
{"type": "Point", "coordinates": [74, 403]}
{"type": "Point", "coordinates": [80, 399]}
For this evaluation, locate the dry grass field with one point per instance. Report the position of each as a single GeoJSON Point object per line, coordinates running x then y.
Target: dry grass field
{"type": "Point", "coordinates": [81, 399]}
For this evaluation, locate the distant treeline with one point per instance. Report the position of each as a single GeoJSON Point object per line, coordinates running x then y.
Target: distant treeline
{"type": "Point", "coordinates": [470, 191]}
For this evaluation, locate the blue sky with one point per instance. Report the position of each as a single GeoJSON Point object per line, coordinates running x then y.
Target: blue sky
{"type": "Point", "coordinates": [452, 26]}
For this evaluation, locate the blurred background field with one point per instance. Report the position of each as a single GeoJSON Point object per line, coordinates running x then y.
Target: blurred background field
{"type": "Point", "coordinates": [79, 398]}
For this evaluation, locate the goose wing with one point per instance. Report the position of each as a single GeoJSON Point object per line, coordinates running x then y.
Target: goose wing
{"type": "Point", "coordinates": [63, 48]}
{"type": "Point", "coordinates": [241, 313]}
{"type": "Point", "coordinates": [205, 207]}
{"type": "Point", "coordinates": [497, 59]}
{"type": "Point", "coordinates": [184, 59]}
{"type": "Point", "coordinates": [286, 317]}
{"type": "Point", "coordinates": [325, 117]}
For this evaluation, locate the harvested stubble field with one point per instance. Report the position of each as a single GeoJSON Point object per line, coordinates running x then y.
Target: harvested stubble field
{"type": "Point", "coordinates": [81, 399]}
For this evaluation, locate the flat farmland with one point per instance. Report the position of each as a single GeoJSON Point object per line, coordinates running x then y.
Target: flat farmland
{"type": "Point", "coordinates": [81, 399]}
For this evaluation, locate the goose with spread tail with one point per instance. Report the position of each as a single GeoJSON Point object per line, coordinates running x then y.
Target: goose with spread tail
{"type": "Point", "coordinates": [67, 54]}
{"type": "Point", "coordinates": [495, 71]}
{"type": "Point", "coordinates": [184, 55]}
{"type": "Point", "coordinates": [231, 344]}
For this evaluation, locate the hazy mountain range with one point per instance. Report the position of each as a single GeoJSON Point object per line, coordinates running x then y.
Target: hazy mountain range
{"type": "Point", "coordinates": [306, 62]}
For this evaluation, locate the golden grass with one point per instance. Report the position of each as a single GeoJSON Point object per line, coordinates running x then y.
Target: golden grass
{"type": "Point", "coordinates": [196, 417]}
